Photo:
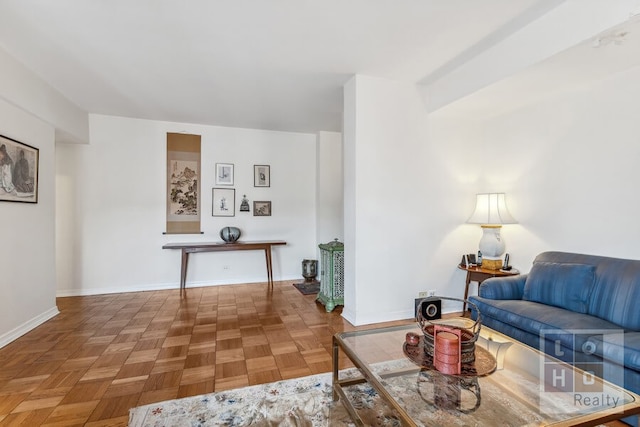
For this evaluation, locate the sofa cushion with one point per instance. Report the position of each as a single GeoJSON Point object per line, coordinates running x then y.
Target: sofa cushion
{"type": "Point", "coordinates": [562, 285]}
{"type": "Point", "coordinates": [625, 351]}
{"type": "Point", "coordinates": [534, 317]}
{"type": "Point", "coordinates": [616, 289]}
{"type": "Point", "coordinates": [616, 293]}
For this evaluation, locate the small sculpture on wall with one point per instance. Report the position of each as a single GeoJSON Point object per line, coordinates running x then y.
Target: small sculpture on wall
{"type": "Point", "coordinates": [244, 205]}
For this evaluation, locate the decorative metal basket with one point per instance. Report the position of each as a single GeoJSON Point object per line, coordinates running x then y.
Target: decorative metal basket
{"type": "Point", "coordinates": [469, 335]}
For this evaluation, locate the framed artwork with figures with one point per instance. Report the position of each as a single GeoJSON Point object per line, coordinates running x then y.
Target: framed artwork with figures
{"type": "Point", "coordinates": [224, 202]}
{"type": "Point", "coordinates": [261, 176]}
{"type": "Point", "coordinates": [18, 171]}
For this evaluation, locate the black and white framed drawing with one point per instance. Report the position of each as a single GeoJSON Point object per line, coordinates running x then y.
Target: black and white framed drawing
{"type": "Point", "coordinates": [261, 176]}
{"type": "Point", "coordinates": [261, 208]}
{"type": "Point", "coordinates": [18, 171]}
{"type": "Point", "coordinates": [224, 174]}
{"type": "Point", "coordinates": [224, 202]}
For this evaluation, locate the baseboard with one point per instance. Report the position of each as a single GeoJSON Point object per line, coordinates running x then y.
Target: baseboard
{"type": "Point", "coordinates": [27, 326]}
{"type": "Point", "coordinates": [370, 318]}
{"type": "Point", "coordinates": [349, 315]}
{"type": "Point", "coordinates": [378, 317]}
{"type": "Point", "coordinates": [114, 290]}
{"type": "Point", "coordinates": [155, 287]}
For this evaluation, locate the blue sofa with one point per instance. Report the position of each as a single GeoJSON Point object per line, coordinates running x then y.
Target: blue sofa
{"type": "Point", "coordinates": [595, 299]}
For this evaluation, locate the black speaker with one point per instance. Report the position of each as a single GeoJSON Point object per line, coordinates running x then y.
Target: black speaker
{"type": "Point", "coordinates": [431, 308]}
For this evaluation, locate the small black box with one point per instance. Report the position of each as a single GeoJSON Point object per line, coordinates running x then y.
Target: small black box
{"type": "Point", "coordinates": [431, 309]}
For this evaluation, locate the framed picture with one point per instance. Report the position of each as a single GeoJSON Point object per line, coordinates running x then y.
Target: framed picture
{"type": "Point", "coordinates": [261, 208]}
{"type": "Point", "coordinates": [18, 171]}
{"type": "Point", "coordinates": [224, 174]}
{"type": "Point", "coordinates": [261, 176]}
{"type": "Point", "coordinates": [224, 202]}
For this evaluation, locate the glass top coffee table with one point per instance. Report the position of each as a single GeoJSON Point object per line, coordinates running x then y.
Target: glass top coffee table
{"type": "Point", "coordinates": [526, 387]}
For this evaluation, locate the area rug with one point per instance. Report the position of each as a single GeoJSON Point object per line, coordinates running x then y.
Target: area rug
{"type": "Point", "coordinates": [308, 288]}
{"type": "Point", "coordinates": [308, 402]}
{"type": "Point", "coordinates": [303, 401]}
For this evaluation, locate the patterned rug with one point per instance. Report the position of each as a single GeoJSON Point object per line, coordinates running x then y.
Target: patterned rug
{"type": "Point", "coordinates": [300, 402]}
{"type": "Point", "coordinates": [308, 288]}
{"type": "Point", "coordinates": [308, 402]}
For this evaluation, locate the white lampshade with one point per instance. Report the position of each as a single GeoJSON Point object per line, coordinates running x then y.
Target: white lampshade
{"type": "Point", "coordinates": [491, 209]}
{"type": "Point", "coordinates": [491, 212]}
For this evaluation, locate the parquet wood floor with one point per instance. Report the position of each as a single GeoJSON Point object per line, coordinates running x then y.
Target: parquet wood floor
{"type": "Point", "coordinates": [105, 354]}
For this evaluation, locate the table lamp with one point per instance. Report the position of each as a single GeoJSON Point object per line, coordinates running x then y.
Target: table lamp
{"type": "Point", "coordinates": [491, 212]}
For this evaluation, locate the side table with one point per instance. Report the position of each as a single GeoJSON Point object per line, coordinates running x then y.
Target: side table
{"type": "Point", "coordinates": [479, 274]}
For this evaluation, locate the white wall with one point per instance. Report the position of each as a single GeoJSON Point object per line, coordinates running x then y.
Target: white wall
{"type": "Point", "coordinates": [402, 212]}
{"type": "Point", "coordinates": [27, 250]}
{"type": "Point", "coordinates": [329, 188]}
{"type": "Point", "coordinates": [350, 169]}
{"type": "Point", "coordinates": [112, 207]}
{"type": "Point", "coordinates": [21, 87]}
{"type": "Point", "coordinates": [569, 166]}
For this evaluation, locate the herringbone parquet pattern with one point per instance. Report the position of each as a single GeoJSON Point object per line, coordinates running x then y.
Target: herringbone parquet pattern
{"type": "Point", "coordinates": [105, 354]}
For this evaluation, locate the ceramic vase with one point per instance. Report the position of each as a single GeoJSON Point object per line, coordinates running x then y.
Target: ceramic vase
{"type": "Point", "coordinates": [230, 234]}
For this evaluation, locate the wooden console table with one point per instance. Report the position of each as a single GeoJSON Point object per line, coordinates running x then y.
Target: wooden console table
{"type": "Point", "coordinates": [192, 247]}
{"type": "Point", "coordinates": [479, 274]}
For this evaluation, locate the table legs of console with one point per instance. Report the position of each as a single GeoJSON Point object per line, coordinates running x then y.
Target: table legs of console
{"type": "Point", "coordinates": [183, 271]}
{"type": "Point", "coordinates": [267, 254]}
{"type": "Point", "coordinates": [185, 262]}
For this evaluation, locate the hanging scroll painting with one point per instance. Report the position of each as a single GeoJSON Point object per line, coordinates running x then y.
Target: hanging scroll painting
{"type": "Point", "coordinates": [183, 184]}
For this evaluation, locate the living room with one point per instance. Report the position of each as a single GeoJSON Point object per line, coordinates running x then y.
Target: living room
{"type": "Point", "coordinates": [413, 162]}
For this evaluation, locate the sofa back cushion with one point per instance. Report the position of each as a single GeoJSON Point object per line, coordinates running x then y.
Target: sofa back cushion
{"type": "Point", "coordinates": [616, 289]}
{"type": "Point", "coordinates": [562, 285]}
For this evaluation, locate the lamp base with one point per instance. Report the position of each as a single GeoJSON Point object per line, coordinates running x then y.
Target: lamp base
{"type": "Point", "coordinates": [491, 245]}
{"type": "Point", "coordinates": [492, 264]}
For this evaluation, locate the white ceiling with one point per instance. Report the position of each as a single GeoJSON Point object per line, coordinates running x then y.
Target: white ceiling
{"type": "Point", "coordinates": [575, 69]}
{"type": "Point", "coordinates": [266, 64]}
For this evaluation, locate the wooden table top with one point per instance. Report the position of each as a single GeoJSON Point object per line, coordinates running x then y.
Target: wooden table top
{"type": "Point", "coordinates": [476, 269]}
{"type": "Point", "coordinates": [225, 244]}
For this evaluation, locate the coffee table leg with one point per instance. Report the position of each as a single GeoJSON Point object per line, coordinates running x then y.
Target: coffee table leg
{"type": "Point", "coordinates": [335, 369]}
{"type": "Point", "coordinates": [338, 392]}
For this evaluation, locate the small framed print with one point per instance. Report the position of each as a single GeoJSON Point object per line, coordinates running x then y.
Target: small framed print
{"type": "Point", "coordinates": [224, 174]}
{"type": "Point", "coordinates": [261, 208]}
{"type": "Point", "coordinates": [261, 176]}
{"type": "Point", "coordinates": [224, 202]}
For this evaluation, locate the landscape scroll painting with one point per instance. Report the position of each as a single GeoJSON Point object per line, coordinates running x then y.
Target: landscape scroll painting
{"type": "Point", "coordinates": [183, 183]}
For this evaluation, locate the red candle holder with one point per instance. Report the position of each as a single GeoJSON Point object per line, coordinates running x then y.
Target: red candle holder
{"type": "Point", "coordinates": [447, 350]}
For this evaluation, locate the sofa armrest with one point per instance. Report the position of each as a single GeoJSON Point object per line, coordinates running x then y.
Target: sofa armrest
{"type": "Point", "coordinates": [510, 287]}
